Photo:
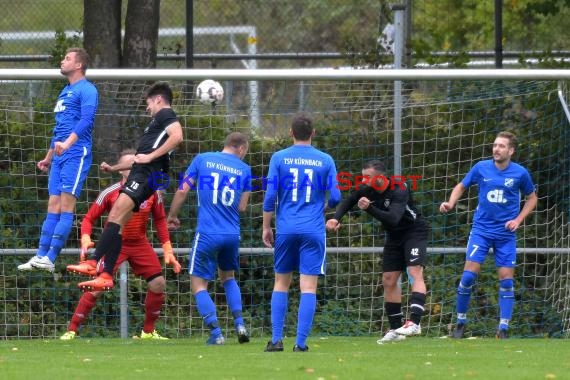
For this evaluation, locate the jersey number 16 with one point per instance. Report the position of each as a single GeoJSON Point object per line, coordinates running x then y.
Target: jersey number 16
{"type": "Point", "coordinates": [228, 194]}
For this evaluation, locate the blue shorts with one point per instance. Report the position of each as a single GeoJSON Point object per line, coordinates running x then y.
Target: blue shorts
{"type": "Point", "coordinates": [303, 252]}
{"type": "Point", "coordinates": [69, 172]}
{"type": "Point", "coordinates": [212, 251]}
{"type": "Point", "coordinates": [504, 248]}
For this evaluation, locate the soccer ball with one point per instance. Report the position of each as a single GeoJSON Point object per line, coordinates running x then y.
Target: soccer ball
{"type": "Point", "coordinates": [209, 91]}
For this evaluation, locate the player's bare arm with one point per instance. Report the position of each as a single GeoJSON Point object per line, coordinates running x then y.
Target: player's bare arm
{"type": "Point", "coordinates": [243, 201]}
{"type": "Point", "coordinates": [457, 192]}
{"type": "Point", "coordinates": [332, 225]}
{"type": "Point", "coordinates": [267, 234]}
{"type": "Point", "coordinates": [44, 164]}
{"type": "Point", "coordinates": [364, 203]}
{"type": "Point", "coordinates": [175, 137]}
{"type": "Point", "coordinates": [177, 201]}
{"type": "Point", "coordinates": [61, 146]}
{"type": "Point", "coordinates": [124, 164]}
{"type": "Point", "coordinates": [530, 204]}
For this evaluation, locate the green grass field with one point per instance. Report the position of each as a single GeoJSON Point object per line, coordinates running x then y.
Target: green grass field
{"type": "Point", "coordinates": [328, 358]}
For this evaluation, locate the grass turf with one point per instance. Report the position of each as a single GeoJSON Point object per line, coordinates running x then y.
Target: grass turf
{"type": "Point", "coordinates": [328, 358]}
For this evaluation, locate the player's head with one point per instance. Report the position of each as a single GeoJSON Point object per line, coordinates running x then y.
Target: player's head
{"type": "Point", "coordinates": [374, 170]}
{"type": "Point", "coordinates": [76, 59]}
{"type": "Point", "coordinates": [504, 147]}
{"type": "Point", "coordinates": [238, 143]}
{"type": "Point", "coordinates": [513, 142]}
{"type": "Point", "coordinates": [157, 97]}
{"type": "Point", "coordinates": [302, 127]}
{"type": "Point", "coordinates": [126, 156]}
{"type": "Point", "coordinates": [376, 165]}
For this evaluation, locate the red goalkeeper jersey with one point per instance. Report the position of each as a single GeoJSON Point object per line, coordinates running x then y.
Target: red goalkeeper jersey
{"type": "Point", "coordinates": [137, 226]}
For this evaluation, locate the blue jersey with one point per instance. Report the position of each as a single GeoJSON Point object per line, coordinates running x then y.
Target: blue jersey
{"type": "Point", "coordinates": [299, 178]}
{"type": "Point", "coordinates": [75, 112]}
{"type": "Point", "coordinates": [499, 195]}
{"type": "Point", "coordinates": [220, 179]}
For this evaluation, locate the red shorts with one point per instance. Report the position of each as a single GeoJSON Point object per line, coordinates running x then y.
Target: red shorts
{"type": "Point", "coordinates": [141, 257]}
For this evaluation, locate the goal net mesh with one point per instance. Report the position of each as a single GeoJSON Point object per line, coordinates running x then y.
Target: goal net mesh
{"type": "Point", "coordinates": [446, 127]}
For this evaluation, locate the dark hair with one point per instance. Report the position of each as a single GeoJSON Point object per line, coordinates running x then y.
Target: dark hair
{"type": "Point", "coordinates": [162, 89]}
{"type": "Point", "coordinates": [80, 56]}
{"type": "Point", "coordinates": [236, 139]}
{"type": "Point", "coordinates": [377, 165]}
{"type": "Point", "coordinates": [302, 127]}
{"type": "Point", "coordinates": [513, 142]}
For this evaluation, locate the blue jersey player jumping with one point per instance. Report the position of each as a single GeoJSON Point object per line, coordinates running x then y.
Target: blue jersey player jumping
{"type": "Point", "coordinates": [223, 185]}
{"type": "Point", "coordinates": [68, 158]}
{"type": "Point", "coordinates": [298, 181]}
{"type": "Point", "coordinates": [497, 217]}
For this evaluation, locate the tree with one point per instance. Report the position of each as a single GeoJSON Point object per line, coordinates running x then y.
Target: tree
{"type": "Point", "coordinates": [102, 29]}
{"type": "Point", "coordinates": [141, 33]}
{"type": "Point", "coordinates": [102, 32]}
{"type": "Point", "coordinates": [450, 25]}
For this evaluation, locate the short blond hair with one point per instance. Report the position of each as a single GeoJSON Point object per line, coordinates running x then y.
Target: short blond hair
{"type": "Point", "coordinates": [513, 142]}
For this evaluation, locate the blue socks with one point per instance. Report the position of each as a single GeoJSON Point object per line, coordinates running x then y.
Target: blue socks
{"type": "Point", "coordinates": [48, 227]}
{"type": "Point", "coordinates": [278, 312]}
{"type": "Point", "coordinates": [60, 234]}
{"type": "Point", "coordinates": [233, 298]}
{"type": "Point", "coordinates": [464, 295]}
{"type": "Point", "coordinates": [506, 298]}
{"type": "Point", "coordinates": [506, 302]}
{"type": "Point", "coordinates": [207, 310]}
{"type": "Point", "coordinates": [307, 307]}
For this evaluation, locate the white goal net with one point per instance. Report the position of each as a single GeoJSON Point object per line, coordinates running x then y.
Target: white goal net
{"type": "Point", "coordinates": [448, 121]}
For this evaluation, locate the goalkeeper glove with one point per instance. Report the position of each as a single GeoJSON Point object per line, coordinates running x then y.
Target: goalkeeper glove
{"type": "Point", "coordinates": [169, 257]}
{"type": "Point", "coordinates": [86, 243]}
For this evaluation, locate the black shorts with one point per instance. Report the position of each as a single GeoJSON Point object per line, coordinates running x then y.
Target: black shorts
{"type": "Point", "coordinates": [141, 182]}
{"type": "Point", "coordinates": [405, 250]}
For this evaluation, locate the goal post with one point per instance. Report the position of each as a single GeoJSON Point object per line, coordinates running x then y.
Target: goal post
{"type": "Point", "coordinates": [448, 121]}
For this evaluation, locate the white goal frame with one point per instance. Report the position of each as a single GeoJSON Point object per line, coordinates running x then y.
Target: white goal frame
{"type": "Point", "coordinates": [558, 75]}
{"type": "Point", "coordinates": [297, 74]}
